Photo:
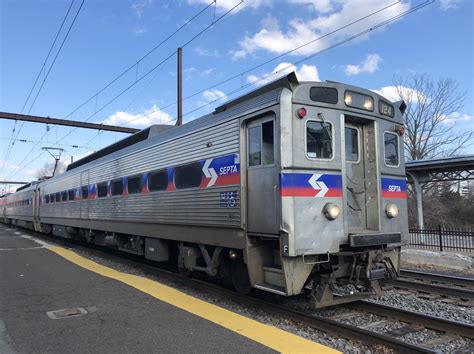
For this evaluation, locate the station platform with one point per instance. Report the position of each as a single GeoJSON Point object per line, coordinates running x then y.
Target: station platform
{"type": "Point", "coordinates": [53, 300]}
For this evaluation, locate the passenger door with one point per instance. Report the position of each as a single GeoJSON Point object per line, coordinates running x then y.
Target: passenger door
{"type": "Point", "coordinates": [262, 177]}
{"type": "Point", "coordinates": [36, 209]}
{"type": "Point", "coordinates": [84, 211]}
{"type": "Point", "coordinates": [355, 178]}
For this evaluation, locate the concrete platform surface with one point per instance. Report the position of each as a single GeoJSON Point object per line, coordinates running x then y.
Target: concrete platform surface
{"type": "Point", "coordinates": [112, 315]}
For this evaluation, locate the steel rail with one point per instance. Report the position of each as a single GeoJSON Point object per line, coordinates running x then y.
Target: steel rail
{"type": "Point", "coordinates": [408, 273]}
{"type": "Point", "coordinates": [322, 324]}
{"type": "Point", "coordinates": [428, 321]}
{"type": "Point", "coordinates": [434, 288]}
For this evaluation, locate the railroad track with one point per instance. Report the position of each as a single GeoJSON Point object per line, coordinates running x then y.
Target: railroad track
{"type": "Point", "coordinates": [431, 283]}
{"type": "Point", "coordinates": [331, 326]}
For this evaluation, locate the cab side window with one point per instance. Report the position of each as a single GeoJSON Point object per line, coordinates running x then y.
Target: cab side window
{"type": "Point", "coordinates": [319, 140]}
{"type": "Point", "coordinates": [391, 149]}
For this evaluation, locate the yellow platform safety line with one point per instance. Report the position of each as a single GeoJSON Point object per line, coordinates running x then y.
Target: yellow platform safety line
{"type": "Point", "coordinates": [269, 336]}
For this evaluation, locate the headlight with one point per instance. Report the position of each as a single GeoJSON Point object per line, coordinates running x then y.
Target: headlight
{"type": "Point", "coordinates": [331, 211]}
{"type": "Point", "coordinates": [391, 210]}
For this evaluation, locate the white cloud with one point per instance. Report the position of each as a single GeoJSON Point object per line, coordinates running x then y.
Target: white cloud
{"type": "Point", "coordinates": [226, 5]}
{"type": "Point", "coordinates": [140, 30]}
{"type": "Point", "coordinates": [368, 65]}
{"type": "Point", "coordinates": [206, 52]}
{"type": "Point", "coordinates": [8, 165]}
{"type": "Point", "coordinates": [139, 6]}
{"type": "Point", "coordinates": [392, 93]}
{"type": "Point", "coordinates": [273, 39]}
{"type": "Point", "coordinates": [213, 95]}
{"type": "Point", "coordinates": [455, 117]}
{"type": "Point", "coordinates": [192, 71]}
{"type": "Point", "coordinates": [150, 116]}
{"type": "Point", "coordinates": [448, 4]}
{"type": "Point", "coordinates": [322, 6]}
{"type": "Point", "coordinates": [304, 73]}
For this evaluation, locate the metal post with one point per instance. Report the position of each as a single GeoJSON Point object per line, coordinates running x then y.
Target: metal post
{"type": "Point", "coordinates": [419, 202]}
{"type": "Point", "coordinates": [179, 121]}
{"type": "Point", "coordinates": [440, 233]}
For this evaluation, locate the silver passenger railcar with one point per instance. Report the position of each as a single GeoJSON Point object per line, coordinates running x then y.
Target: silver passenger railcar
{"type": "Point", "coordinates": [293, 186]}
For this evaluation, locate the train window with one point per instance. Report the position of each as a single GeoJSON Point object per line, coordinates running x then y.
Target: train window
{"type": "Point", "coordinates": [46, 198]}
{"type": "Point", "coordinates": [51, 198]}
{"type": "Point", "coordinates": [188, 176]}
{"type": "Point", "coordinates": [267, 143]}
{"type": "Point", "coordinates": [157, 181]}
{"type": "Point", "coordinates": [117, 187]}
{"type": "Point", "coordinates": [319, 139]}
{"type": "Point", "coordinates": [134, 184]}
{"type": "Point", "coordinates": [391, 149]}
{"type": "Point", "coordinates": [70, 194]}
{"type": "Point", "coordinates": [58, 197]}
{"type": "Point", "coordinates": [85, 192]}
{"type": "Point", "coordinates": [64, 196]}
{"type": "Point", "coordinates": [323, 94]}
{"type": "Point", "coordinates": [352, 144]}
{"type": "Point", "coordinates": [102, 190]}
{"type": "Point", "coordinates": [255, 148]}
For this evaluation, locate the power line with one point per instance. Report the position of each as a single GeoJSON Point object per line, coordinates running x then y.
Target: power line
{"type": "Point", "coordinates": [11, 143]}
{"type": "Point", "coordinates": [214, 21]}
{"type": "Point", "coordinates": [57, 54]}
{"type": "Point", "coordinates": [187, 22]}
{"type": "Point", "coordinates": [135, 65]}
{"type": "Point", "coordinates": [241, 74]}
{"type": "Point", "coordinates": [172, 54]}
{"type": "Point", "coordinates": [368, 30]}
{"type": "Point", "coordinates": [47, 56]}
{"type": "Point", "coordinates": [359, 34]}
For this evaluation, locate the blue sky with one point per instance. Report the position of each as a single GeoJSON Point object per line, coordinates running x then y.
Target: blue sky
{"type": "Point", "coordinates": [110, 36]}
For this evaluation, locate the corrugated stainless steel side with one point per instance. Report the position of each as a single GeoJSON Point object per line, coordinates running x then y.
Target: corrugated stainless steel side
{"type": "Point", "coordinates": [208, 137]}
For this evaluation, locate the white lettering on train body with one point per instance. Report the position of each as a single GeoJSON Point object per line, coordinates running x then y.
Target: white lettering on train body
{"type": "Point", "coordinates": [225, 170]}
{"type": "Point", "coordinates": [394, 188]}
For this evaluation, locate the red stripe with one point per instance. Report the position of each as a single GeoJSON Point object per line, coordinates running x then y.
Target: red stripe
{"type": "Point", "coordinates": [170, 187]}
{"type": "Point", "coordinates": [309, 192]}
{"type": "Point", "coordinates": [334, 193]}
{"type": "Point", "coordinates": [224, 180]}
{"type": "Point", "coordinates": [394, 195]}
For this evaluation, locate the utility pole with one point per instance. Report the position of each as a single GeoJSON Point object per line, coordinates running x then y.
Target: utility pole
{"type": "Point", "coordinates": [56, 156]}
{"type": "Point", "coordinates": [179, 121]}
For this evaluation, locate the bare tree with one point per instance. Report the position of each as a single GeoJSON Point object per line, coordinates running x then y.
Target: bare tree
{"type": "Point", "coordinates": [47, 170]}
{"type": "Point", "coordinates": [431, 131]}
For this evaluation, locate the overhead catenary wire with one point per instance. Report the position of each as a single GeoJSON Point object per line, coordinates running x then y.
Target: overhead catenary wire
{"type": "Point", "coordinates": [241, 74]}
{"type": "Point", "coordinates": [171, 55]}
{"type": "Point", "coordinates": [201, 32]}
{"type": "Point", "coordinates": [278, 72]}
{"type": "Point", "coordinates": [143, 57]}
{"type": "Point", "coordinates": [348, 39]}
{"type": "Point", "coordinates": [12, 139]}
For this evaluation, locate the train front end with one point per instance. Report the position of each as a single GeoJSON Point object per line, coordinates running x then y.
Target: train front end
{"type": "Point", "coordinates": [343, 192]}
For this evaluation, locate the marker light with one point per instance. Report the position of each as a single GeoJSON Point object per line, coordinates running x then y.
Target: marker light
{"type": "Point", "coordinates": [302, 112]}
{"type": "Point", "coordinates": [368, 104]}
{"type": "Point", "coordinates": [348, 99]}
{"type": "Point", "coordinates": [331, 211]}
{"type": "Point", "coordinates": [391, 210]}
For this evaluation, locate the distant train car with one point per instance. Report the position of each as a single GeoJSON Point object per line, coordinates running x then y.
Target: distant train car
{"type": "Point", "coordinates": [294, 186]}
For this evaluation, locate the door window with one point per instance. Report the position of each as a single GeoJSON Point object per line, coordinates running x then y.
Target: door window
{"type": "Point", "coordinates": [262, 144]}
{"type": "Point", "coordinates": [352, 144]}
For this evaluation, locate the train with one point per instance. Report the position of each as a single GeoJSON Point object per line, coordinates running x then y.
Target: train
{"type": "Point", "coordinates": [294, 188]}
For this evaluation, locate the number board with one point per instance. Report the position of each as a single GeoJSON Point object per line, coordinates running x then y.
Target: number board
{"type": "Point", "coordinates": [386, 109]}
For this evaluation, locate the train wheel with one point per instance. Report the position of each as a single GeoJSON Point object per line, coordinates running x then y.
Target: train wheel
{"type": "Point", "coordinates": [240, 277]}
